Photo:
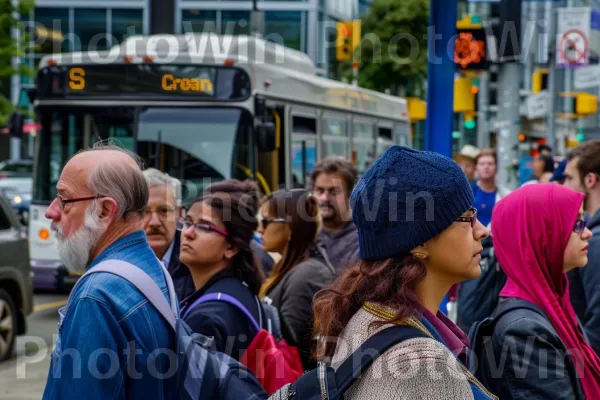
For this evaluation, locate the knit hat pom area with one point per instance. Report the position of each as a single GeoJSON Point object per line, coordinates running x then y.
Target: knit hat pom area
{"type": "Point", "coordinates": [406, 198]}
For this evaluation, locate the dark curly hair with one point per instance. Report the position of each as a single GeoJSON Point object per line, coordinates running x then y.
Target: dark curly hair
{"type": "Point", "coordinates": [391, 282]}
{"type": "Point", "coordinates": [237, 203]}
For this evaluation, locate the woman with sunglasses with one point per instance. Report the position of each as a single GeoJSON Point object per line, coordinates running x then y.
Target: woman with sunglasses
{"type": "Point", "coordinates": [290, 224]}
{"type": "Point", "coordinates": [215, 245]}
{"type": "Point", "coordinates": [418, 235]}
{"type": "Point", "coordinates": [539, 234]}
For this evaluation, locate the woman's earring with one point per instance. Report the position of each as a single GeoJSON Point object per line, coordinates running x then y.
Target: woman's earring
{"type": "Point", "coordinates": [421, 256]}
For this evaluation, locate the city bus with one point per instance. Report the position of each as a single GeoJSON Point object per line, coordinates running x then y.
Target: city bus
{"type": "Point", "coordinates": [201, 108]}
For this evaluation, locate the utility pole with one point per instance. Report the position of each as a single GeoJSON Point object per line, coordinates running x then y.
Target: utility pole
{"type": "Point", "coordinates": [508, 96]}
{"type": "Point", "coordinates": [551, 121]}
{"type": "Point", "coordinates": [483, 97]}
{"type": "Point", "coordinates": [15, 87]}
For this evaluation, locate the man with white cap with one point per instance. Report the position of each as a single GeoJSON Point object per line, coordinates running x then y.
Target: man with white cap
{"type": "Point", "coordinates": [466, 160]}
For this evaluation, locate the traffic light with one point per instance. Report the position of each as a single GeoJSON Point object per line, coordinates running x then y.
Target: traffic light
{"type": "Point", "coordinates": [15, 124]}
{"type": "Point", "coordinates": [586, 104]}
{"type": "Point", "coordinates": [464, 100]}
{"type": "Point", "coordinates": [348, 38]}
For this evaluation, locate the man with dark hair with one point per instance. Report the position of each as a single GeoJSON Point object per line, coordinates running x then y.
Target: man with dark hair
{"type": "Point", "coordinates": [111, 328]}
{"type": "Point", "coordinates": [582, 174]}
{"type": "Point", "coordinates": [545, 150]}
{"type": "Point", "coordinates": [486, 190]}
{"type": "Point", "coordinates": [333, 179]}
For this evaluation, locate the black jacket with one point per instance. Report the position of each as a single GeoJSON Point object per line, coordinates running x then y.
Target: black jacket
{"type": "Point", "coordinates": [530, 360]}
{"type": "Point", "coordinates": [182, 279]}
{"type": "Point", "coordinates": [293, 296]}
{"type": "Point", "coordinates": [585, 288]}
{"type": "Point", "coordinates": [230, 328]}
{"type": "Point", "coordinates": [341, 247]}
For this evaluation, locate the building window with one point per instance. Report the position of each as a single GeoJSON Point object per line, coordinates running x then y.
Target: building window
{"type": "Point", "coordinates": [90, 30]}
{"type": "Point", "coordinates": [235, 22]}
{"type": "Point", "coordinates": [51, 28]}
{"type": "Point", "coordinates": [284, 27]}
{"type": "Point", "coordinates": [126, 23]}
{"type": "Point", "coordinates": [199, 21]}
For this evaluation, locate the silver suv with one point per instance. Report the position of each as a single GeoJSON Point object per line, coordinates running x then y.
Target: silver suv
{"type": "Point", "coordinates": [16, 288]}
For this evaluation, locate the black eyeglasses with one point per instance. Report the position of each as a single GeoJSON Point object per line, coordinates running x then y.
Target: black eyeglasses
{"type": "Point", "coordinates": [579, 226]}
{"type": "Point", "coordinates": [62, 202]}
{"type": "Point", "coordinates": [202, 227]}
{"type": "Point", "coordinates": [264, 222]}
{"type": "Point", "coordinates": [472, 219]}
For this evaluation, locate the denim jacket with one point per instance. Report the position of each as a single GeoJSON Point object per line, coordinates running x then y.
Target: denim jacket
{"type": "Point", "coordinates": [112, 344]}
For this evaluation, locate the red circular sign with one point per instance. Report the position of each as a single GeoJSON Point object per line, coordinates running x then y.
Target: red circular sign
{"type": "Point", "coordinates": [574, 46]}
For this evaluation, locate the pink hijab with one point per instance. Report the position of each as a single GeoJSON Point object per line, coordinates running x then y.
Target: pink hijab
{"type": "Point", "coordinates": [531, 228]}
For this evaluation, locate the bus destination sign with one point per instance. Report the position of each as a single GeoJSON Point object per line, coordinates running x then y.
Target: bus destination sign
{"type": "Point", "coordinates": [144, 80]}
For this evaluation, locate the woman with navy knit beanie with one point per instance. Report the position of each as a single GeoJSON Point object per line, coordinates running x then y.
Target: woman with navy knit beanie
{"type": "Point", "coordinates": [418, 235]}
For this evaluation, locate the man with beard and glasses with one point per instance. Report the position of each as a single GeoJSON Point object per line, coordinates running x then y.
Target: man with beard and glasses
{"type": "Point", "coordinates": [582, 174]}
{"type": "Point", "coordinates": [333, 179]}
{"type": "Point", "coordinates": [160, 224]}
{"type": "Point", "coordinates": [111, 343]}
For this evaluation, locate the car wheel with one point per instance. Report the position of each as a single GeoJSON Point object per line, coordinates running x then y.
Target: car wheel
{"type": "Point", "coordinates": [8, 325]}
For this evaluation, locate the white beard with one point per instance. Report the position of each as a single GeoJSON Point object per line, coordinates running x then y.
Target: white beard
{"type": "Point", "coordinates": [74, 251]}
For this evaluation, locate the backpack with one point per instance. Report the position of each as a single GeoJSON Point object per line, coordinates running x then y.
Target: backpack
{"type": "Point", "coordinates": [478, 298]}
{"type": "Point", "coordinates": [480, 337]}
{"type": "Point", "coordinates": [272, 360]}
{"type": "Point", "coordinates": [201, 373]}
{"type": "Point", "coordinates": [325, 383]}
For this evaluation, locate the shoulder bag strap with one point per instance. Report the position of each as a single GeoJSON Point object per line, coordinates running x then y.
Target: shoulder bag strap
{"type": "Point", "coordinates": [224, 298]}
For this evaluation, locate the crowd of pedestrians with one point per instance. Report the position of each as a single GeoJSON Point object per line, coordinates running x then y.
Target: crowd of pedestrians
{"type": "Point", "coordinates": [317, 276]}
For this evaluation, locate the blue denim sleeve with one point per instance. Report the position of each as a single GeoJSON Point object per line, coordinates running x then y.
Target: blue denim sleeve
{"type": "Point", "coordinates": [86, 362]}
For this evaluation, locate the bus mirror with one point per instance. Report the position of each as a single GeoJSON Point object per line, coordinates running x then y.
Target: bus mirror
{"type": "Point", "coordinates": [260, 106]}
{"type": "Point", "coordinates": [265, 137]}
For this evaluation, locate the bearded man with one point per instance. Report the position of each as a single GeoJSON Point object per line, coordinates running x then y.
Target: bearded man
{"type": "Point", "coordinates": [109, 334]}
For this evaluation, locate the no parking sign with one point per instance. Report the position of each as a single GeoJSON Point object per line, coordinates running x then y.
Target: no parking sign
{"type": "Point", "coordinates": [573, 41]}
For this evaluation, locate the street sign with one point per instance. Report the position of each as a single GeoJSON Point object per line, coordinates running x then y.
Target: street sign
{"type": "Point", "coordinates": [537, 105]}
{"type": "Point", "coordinates": [573, 44]}
{"type": "Point", "coordinates": [587, 77]}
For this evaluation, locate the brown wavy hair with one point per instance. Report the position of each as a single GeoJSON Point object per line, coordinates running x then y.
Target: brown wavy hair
{"type": "Point", "coordinates": [391, 282]}
{"type": "Point", "coordinates": [301, 211]}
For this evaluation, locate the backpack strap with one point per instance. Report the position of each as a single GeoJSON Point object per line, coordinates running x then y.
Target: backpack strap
{"type": "Point", "coordinates": [142, 281]}
{"type": "Point", "coordinates": [224, 297]}
{"type": "Point", "coordinates": [359, 361]}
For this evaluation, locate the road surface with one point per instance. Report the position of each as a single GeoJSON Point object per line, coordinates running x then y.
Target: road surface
{"type": "Point", "coordinates": [24, 377]}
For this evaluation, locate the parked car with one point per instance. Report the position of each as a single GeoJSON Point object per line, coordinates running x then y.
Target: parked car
{"type": "Point", "coordinates": [16, 279]}
{"type": "Point", "coordinates": [18, 191]}
{"type": "Point", "coordinates": [16, 168]}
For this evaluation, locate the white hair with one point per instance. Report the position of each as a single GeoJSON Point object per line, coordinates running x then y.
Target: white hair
{"type": "Point", "coordinates": [155, 177]}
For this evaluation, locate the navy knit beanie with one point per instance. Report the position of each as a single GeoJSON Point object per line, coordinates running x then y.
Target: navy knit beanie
{"type": "Point", "coordinates": [406, 198]}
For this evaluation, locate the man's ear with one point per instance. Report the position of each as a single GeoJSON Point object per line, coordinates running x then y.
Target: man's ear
{"type": "Point", "coordinates": [590, 180]}
{"type": "Point", "coordinates": [108, 209]}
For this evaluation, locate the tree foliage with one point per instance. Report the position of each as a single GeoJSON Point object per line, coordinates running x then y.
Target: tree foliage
{"type": "Point", "coordinates": [9, 48]}
{"type": "Point", "coordinates": [393, 51]}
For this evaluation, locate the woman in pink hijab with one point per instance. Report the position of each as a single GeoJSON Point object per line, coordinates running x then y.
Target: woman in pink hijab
{"type": "Point", "coordinates": [539, 234]}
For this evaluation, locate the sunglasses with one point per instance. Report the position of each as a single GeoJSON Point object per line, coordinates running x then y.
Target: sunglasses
{"type": "Point", "coordinates": [579, 226]}
{"type": "Point", "coordinates": [472, 219]}
{"type": "Point", "coordinates": [199, 228]}
{"type": "Point", "coordinates": [266, 221]}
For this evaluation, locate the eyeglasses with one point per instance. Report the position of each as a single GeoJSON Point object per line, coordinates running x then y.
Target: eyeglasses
{"type": "Point", "coordinates": [266, 221]}
{"type": "Point", "coordinates": [579, 226]}
{"type": "Point", "coordinates": [62, 202]}
{"type": "Point", "coordinates": [472, 219]}
{"type": "Point", "coordinates": [199, 228]}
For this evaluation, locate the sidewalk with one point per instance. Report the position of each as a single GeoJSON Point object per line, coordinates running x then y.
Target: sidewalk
{"type": "Point", "coordinates": [22, 379]}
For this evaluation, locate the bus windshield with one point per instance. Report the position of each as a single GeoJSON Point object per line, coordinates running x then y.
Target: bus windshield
{"type": "Point", "coordinates": [195, 145]}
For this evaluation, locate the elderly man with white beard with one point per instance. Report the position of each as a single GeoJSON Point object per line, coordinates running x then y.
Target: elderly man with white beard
{"type": "Point", "coordinates": [110, 338]}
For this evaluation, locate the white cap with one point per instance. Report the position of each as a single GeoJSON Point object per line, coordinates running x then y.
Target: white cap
{"type": "Point", "coordinates": [469, 151]}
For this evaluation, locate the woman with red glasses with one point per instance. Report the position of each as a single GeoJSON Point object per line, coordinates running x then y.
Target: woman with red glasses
{"type": "Point", "coordinates": [215, 245]}
{"type": "Point", "coordinates": [537, 349]}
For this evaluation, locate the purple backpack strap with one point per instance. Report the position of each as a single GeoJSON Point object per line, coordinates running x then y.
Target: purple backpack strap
{"type": "Point", "coordinates": [225, 298]}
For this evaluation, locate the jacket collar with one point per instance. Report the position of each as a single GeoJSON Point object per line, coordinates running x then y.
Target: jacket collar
{"type": "Point", "coordinates": [125, 242]}
{"type": "Point", "coordinates": [226, 273]}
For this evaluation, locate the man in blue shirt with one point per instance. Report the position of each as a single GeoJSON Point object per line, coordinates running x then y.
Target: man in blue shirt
{"type": "Point", "coordinates": [487, 192]}
{"type": "Point", "coordinates": [111, 343]}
